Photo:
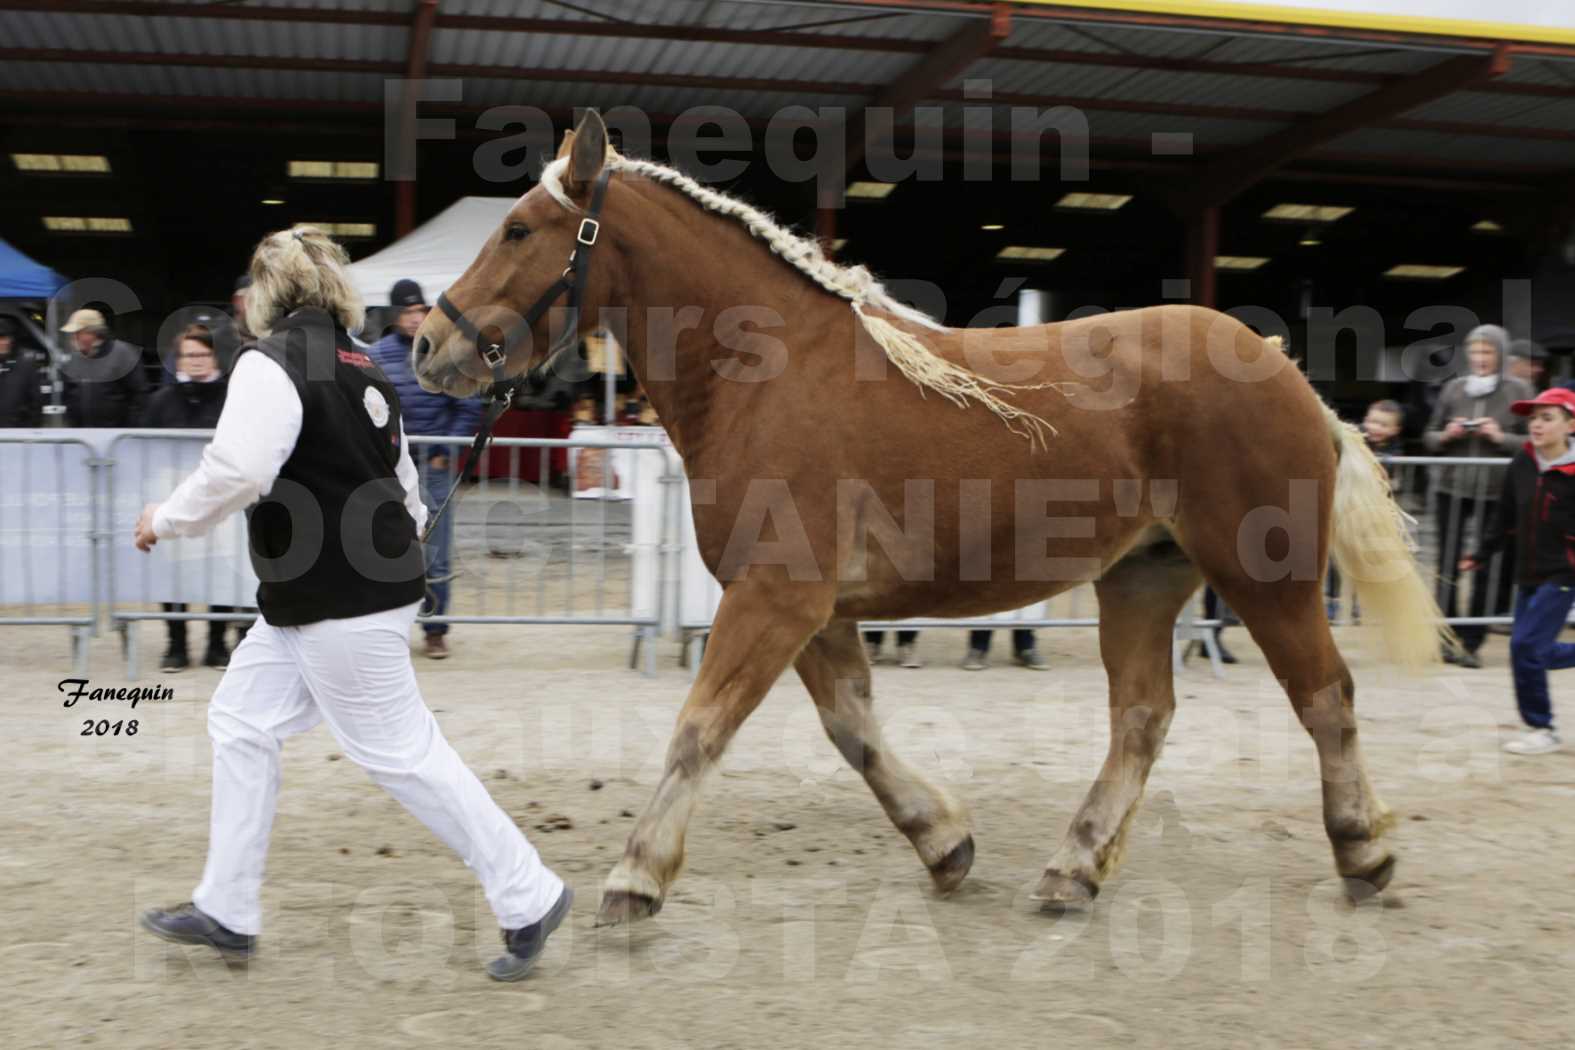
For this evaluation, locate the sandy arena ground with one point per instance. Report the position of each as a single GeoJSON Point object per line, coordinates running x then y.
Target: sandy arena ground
{"type": "Point", "coordinates": [803, 918]}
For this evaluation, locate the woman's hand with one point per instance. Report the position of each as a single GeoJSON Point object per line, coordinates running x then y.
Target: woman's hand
{"type": "Point", "coordinates": [1455, 430]}
{"type": "Point", "coordinates": [1468, 565]}
{"type": "Point", "coordinates": [145, 539]}
{"type": "Point", "coordinates": [1490, 429]}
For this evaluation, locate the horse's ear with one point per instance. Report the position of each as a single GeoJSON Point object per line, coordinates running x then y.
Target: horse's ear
{"type": "Point", "coordinates": [587, 153]}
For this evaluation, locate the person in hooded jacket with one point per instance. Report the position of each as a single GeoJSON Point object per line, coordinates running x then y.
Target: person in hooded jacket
{"type": "Point", "coordinates": [192, 402]}
{"type": "Point", "coordinates": [1473, 419]}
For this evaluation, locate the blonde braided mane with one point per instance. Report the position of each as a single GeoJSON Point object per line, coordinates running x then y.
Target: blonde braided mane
{"type": "Point", "coordinates": [854, 284]}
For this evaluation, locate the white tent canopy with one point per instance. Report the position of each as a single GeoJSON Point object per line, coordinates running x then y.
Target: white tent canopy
{"type": "Point", "coordinates": [435, 253]}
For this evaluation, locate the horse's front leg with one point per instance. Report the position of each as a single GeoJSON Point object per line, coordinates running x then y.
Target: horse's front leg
{"type": "Point", "coordinates": [760, 627]}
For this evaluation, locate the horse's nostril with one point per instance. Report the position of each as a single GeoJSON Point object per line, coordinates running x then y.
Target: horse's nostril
{"type": "Point", "coordinates": [422, 348]}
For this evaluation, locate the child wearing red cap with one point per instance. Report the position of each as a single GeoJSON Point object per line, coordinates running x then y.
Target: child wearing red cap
{"type": "Point", "coordinates": [1537, 511]}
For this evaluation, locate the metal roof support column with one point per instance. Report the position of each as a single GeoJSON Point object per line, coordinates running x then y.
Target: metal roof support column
{"type": "Point", "coordinates": [826, 228]}
{"type": "Point", "coordinates": [415, 68]}
{"type": "Point", "coordinates": [1203, 244]}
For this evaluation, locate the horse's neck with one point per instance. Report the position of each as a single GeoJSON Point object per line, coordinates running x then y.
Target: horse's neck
{"type": "Point", "coordinates": [678, 353]}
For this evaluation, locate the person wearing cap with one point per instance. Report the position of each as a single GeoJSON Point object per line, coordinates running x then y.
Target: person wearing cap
{"type": "Point", "coordinates": [105, 385]}
{"type": "Point", "coordinates": [1528, 362]}
{"type": "Point", "coordinates": [430, 414]}
{"type": "Point", "coordinates": [1472, 419]}
{"type": "Point", "coordinates": [1536, 515]}
{"type": "Point", "coordinates": [21, 401]}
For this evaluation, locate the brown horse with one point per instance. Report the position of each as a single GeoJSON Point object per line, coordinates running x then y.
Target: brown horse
{"type": "Point", "coordinates": [1145, 451]}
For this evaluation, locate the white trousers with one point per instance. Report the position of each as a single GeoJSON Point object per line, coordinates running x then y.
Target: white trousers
{"type": "Point", "coordinates": [356, 675]}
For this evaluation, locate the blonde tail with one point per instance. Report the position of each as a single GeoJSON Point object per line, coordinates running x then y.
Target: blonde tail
{"type": "Point", "coordinates": [1371, 545]}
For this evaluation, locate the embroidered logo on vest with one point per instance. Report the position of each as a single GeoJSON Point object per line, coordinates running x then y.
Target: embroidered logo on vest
{"type": "Point", "coordinates": [376, 407]}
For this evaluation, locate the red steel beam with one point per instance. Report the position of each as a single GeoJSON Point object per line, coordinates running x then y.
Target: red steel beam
{"type": "Point", "coordinates": [1226, 176]}
{"type": "Point", "coordinates": [951, 58]}
{"type": "Point", "coordinates": [415, 69]}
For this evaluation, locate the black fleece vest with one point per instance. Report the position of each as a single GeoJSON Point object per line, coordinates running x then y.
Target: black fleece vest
{"type": "Point", "coordinates": [333, 539]}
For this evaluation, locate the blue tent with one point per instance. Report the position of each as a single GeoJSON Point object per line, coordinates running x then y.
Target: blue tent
{"type": "Point", "coordinates": [22, 278]}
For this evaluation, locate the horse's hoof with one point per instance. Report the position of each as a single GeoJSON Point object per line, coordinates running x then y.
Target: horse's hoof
{"type": "Point", "coordinates": [1064, 891]}
{"type": "Point", "coordinates": [951, 869]}
{"type": "Point", "coordinates": [620, 906]}
{"type": "Point", "coordinates": [1362, 887]}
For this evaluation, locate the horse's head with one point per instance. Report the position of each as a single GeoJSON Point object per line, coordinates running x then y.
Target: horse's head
{"type": "Point", "coordinates": [494, 322]}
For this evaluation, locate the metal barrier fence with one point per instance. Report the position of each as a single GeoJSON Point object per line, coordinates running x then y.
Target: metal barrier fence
{"type": "Point", "coordinates": [48, 530]}
{"type": "Point", "coordinates": [526, 553]}
{"type": "Point", "coordinates": [606, 556]}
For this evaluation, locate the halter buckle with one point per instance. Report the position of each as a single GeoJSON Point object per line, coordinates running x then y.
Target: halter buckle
{"type": "Point", "coordinates": [588, 238]}
{"type": "Point", "coordinates": [493, 355]}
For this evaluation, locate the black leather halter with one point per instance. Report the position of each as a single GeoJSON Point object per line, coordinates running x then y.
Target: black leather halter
{"type": "Point", "coordinates": [495, 356]}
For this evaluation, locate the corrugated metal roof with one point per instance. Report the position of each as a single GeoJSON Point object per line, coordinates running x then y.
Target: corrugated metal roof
{"type": "Point", "coordinates": [98, 78]}
{"type": "Point", "coordinates": [559, 51]}
{"type": "Point", "coordinates": [1463, 148]}
{"type": "Point", "coordinates": [1209, 89]}
{"type": "Point", "coordinates": [1044, 78]}
{"type": "Point", "coordinates": [1328, 54]}
{"type": "Point", "coordinates": [1479, 107]}
{"type": "Point", "coordinates": [1137, 127]}
{"type": "Point", "coordinates": [806, 66]}
{"type": "Point", "coordinates": [1554, 72]}
{"type": "Point", "coordinates": [202, 36]}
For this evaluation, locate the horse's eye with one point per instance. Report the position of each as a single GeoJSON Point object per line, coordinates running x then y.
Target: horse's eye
{"type": "Point", "coordinates": [516, 231]}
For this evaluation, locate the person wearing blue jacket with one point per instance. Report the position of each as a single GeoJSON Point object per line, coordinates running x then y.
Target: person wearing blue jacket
{"type": "Point", "coordinates": [431, 414]}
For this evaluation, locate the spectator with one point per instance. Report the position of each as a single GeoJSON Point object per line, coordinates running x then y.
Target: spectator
{"type": "Point", "coordinates": [907, 655]}
{"type": "Point", "coordinates": [433, 414]}
{"type": "Point", "coordinates": [105, 386]}
{"type": "Point", "coordinates": [1536, 511]}
{"type": "Point", "coordinates": [1024, 651]}
{"type": "Point", "coordinates": [1473, 418]}
{"type": "Point", "coordinates": [192, 402]}
{"type": "Point", "coordinates": [21, 403]}
{"type": "Point", "coordinates": [1528, 362]}
{"type": "Point", "coordinates": [238, 306]}
{"type": "Point", "coordinates": [1214, 609]}
{"type": "Point", "coordinates": [1381, 427]}
{"type": "Point", "coordinates": [229, 338]}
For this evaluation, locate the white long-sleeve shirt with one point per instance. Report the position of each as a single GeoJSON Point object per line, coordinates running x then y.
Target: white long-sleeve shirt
{"type": "Point", "coordinates": [257, 431]}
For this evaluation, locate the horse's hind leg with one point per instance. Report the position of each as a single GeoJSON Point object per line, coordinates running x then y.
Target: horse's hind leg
{"type": "Point", "coordinates": [1139, 598]}
{"type": "Point", "coordinates": [1287, 620]}
{"type": "Point", "coordinates": [836, 670]}
{"type": "Point", "coordinates": [760, 627]}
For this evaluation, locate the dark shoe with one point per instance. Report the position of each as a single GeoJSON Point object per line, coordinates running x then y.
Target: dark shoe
{"type": "Point", "coordinates": [1226, 656]}
{"type": "Point", "coordinates": [188, 924]}
{"type": "Point", "coordinates": [526, 944]}
{"type": "Point", "coordinates": [436, 647]}
{"type": "Point", "coordinates": [908, 656]}
{"type": "Point", "coordinates": [218, 656]}
{"type": "Point", "coordinates": [1469, 659]}
{"type": "Point", "coordinates": [1031, 659]}
{"type": "Point", "coordinates": [975, 660]}
{"type": "Point", "coordinates": [175, 660]}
